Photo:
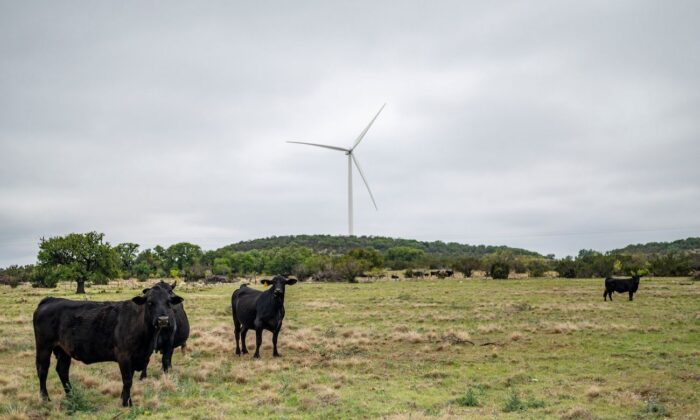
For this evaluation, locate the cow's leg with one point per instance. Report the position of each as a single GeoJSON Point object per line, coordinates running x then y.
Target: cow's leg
{"type": "Point", "coordinates": [275, 333]}
{"type": "Point", "coordinates": [127, 377]}
{"type": "Point", "coordinates": [631, 295]}
{"type": "Point", "coordinates": [144, 372]}
{"type": "Point", "coordinates": [258, 342]}
{"type": "Point", "coordinates": [237, 334]}
{"type": "Point", "coordinates": [167, 357]}
{"type": "Point", "coordinates": [43, 361]}
{"type": "Point", "coordinates": [244, 331]}
{"type": "Point", "coordinates": [63, 367]}
{"type": "Point", "coordinates": [605, 295]}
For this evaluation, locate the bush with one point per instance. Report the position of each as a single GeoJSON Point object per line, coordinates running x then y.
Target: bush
{"type": "Point", "coordinates": [9, 280]}
{"type": "Point", "coordinates": [48, 277]}
{"type": "Point", "coordinates": [468, 400]}
{"type": "Point", "coordinates": [466, 265]}
{"type": "Point", "coordinates": [500, 270]}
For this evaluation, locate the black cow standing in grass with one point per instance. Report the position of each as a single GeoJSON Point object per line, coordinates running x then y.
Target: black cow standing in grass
{"type": "Point", "coordinates": [124, 332]}
{"type": "Point", "coordinates": [253, 309]}
{"type": "Point", "coordinates": [625, 285]}
{"type": "Point", "coordinates": [173, 336]}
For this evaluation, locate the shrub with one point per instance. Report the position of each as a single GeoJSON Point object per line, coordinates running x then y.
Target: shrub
{"type": "Point", "coordinates": [77, 400]}
{"type": "Point", "coordinates": [500, 270]}
{"type": "Point", "coordinates": [468, 400]}
{"type": "Point", "coordinates": [514, 403]}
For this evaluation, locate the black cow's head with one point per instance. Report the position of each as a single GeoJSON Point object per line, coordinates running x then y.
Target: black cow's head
{"type": "Point", "coordinates": [158, 303]}
{"type": "Point", "coordinates": [278, 283]}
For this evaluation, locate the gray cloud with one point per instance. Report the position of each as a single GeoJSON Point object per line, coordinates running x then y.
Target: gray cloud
{"type": "Point", "coordinates": [549, 125]}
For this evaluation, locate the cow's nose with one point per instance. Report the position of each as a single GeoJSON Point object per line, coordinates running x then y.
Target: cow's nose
{"type": "Point", "coordinates": [163, 321]}
{"type": "Point", "coordinates": [278, 292]}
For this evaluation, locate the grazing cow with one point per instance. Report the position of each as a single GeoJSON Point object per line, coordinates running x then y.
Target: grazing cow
{"type": "Point", "coordinates": [394, 277]}
{"type": "Point", "coordinates": [629, 285]}
{"type": "Point", "coordinates": [253, 309]}
{"type": "Point", "coordinates": [449, 273]}
{"type": "Point", "coordinates": [173, 336]}
{"type": "Point", "coordinates": [418, 274]}
{"type": "Point", "coordinates": [435, 273]}
{"type": "Point", "coordinates": [125, 332]}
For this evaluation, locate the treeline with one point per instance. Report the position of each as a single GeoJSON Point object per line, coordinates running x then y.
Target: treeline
{"type": "Point", "coordinates": [334, 245]}
{"type": "Point", "coordinates": [88, 258]}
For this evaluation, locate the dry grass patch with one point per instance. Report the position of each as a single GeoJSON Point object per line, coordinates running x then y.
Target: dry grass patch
{"type": "Point", "coordinates": [593, 392]}
{"type": "Point", "coordinates": [578, 413]}
{"type": "Point", "coordinates": [326, 394]}
{"type": "Point", "coordinates": [515, 336]}
{"type": "Point", "coordinates": [489, 328]}
{"type": "Point", "coordinates": [111, 388]}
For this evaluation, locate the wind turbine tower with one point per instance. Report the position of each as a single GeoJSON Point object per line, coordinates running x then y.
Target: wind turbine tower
{"type": "Point", "coordinates": [351, 159]}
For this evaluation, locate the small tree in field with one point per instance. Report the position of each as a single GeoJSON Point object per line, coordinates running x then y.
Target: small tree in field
{"type": "Point", "coordinates": [78, 256]}
{"type": "Point", "coordinates": [500, 270]}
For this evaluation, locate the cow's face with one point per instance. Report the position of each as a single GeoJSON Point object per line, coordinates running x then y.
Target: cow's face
{"type": "Point", "coordinates": [158, 304]}
{"type": "Point", "coordinates": [277, 284]}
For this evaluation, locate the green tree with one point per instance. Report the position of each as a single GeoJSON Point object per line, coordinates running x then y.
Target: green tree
{"type": "Point", "coordinates": [373, 257]}
{"type": "Point", "coordinates": [349, 268]}
{"type": "Point", "coordinates": [79, 256]}
{"type": "Point", "coordinates": [182, 255]}
{"type": "Point", "coordinates": [128, 252]}
{"type": "Point", "coordinates": [466, 265]}
{"type": "Point", "coordinates": [500, 270]}
{"type": "Point", "coordinates": [401, 257]}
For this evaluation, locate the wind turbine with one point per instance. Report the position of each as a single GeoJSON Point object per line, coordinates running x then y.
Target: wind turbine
{"type": "Point", "coordinates": [351, 159]}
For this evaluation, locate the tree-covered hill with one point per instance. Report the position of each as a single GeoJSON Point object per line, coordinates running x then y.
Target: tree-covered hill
{"type": "Point", "coordinates": [329, 244]}
{"type": "Point", "coordinates": [681, 246]}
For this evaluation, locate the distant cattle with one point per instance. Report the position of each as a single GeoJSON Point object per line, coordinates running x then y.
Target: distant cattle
{"type": "Point", "coordinates": [394, 277]}
{"type": "Point", "coordinates": [253, 309]}
{"type": "Point", "coordinates": [172, 337]}
{"type": "Point", "coordinates": [124, 332]}
{"type": "Point", "coordinates": [621, 285]}
{"type": "Point", "coordinates": [217, 279]}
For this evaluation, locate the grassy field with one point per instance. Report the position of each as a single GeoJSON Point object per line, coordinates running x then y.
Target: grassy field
{"type": "Point", "coordinates": [553, 349]}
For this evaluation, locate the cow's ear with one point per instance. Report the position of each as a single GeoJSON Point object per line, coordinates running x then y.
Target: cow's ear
{"type": "Point", "coordinates": [291, 282]}
{"type": "Point", "coordinates": [139, 300]}
{"type": "Point", "coordinates": [176, 300]}
{"type": "Point", "coordinates": [266, 282]}
{"type": "Point", "coordinates": [172, 286]}
{"type": "Point", "coordinates": [146, 290]}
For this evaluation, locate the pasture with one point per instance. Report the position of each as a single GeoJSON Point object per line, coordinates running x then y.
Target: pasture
{"type": "Point", "coordinates": [554, 349]}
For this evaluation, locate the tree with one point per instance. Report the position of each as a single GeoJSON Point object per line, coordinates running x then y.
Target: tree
{"type": "Point", "coordinates": [349, 268]}
{"type": "Point", "coordinates": [566, 267]}
{"type": "Point", "coordinates": [372, 256]}
{"type": "Point", "coordinates": [401, 257]}
{"type": "Point", "coordinates": [466, 265]}
{"type": "Point", "coordinates": [128, 252]}
{"type": "Point", "coordinates": [182, 255]}
{"type": "Point", "coordinates": [79, 256]}
{"type": "Point", "coordinates": [500, 270]}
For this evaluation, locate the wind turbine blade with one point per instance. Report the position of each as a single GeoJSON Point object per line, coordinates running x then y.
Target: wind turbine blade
{"type": "Point", "coordinates": [320, 145]}
{"type": "Point", "coordinates": [362, 175]}
{"type": "Point", "coordinates": [362, 134]}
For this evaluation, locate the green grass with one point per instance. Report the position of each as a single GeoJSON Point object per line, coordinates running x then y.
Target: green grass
{"type": "Point", "coordinates": [395, 349]}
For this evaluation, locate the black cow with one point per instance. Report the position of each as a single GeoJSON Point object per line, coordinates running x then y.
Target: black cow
{"type": "Point", "coordinates": [629, 285]}
{"type": "Point", "coordinates": [173, 336]}
{"type": "Point", "coordinates": [449, 273]}
{"type": "Point", "coordinates": [253, 309]}
{"type": "Point", "coordinates": [124, 332]}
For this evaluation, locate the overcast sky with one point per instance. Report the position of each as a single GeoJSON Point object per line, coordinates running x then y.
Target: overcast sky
{"type": "Point", "coordinates": [548, 125]}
